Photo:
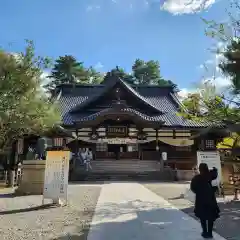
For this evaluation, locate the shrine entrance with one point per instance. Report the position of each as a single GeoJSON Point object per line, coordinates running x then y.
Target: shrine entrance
{"type": "Point", "coordinates": [117, 150]}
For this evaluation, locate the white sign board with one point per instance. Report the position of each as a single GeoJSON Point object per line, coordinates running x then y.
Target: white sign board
{"type": "Point", "coordinates": [212, 159]}
{"type": "Point", "coordinates": [56, 175]}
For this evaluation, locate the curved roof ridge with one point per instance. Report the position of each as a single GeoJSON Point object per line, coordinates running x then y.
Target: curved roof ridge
{"type": "Point", "coordinates": [125, 109]}
{"type": "Point", "coordinates": [108, 87]}
{"type": "Point", "coordinates": [138, 95]}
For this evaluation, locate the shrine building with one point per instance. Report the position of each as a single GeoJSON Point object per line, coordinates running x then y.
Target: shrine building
{"type": "Point", "coordinates": [124, 123]}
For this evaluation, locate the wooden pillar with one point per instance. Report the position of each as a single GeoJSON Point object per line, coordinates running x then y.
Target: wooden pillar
{"type": "Point", "coordinates": [139, 137]}
{"type": "Point", "coordinates": [13, 156]}
{"type": "Point", "coordinates": [76, 147]}
{"type": "Point", "coordinates": [157, 147]}
{"type": "Point", "coordinates": [158, 151]}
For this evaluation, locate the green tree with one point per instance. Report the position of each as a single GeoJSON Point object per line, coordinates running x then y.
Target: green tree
{"type": "Point", "coordinates": [192, 105]}
{"type": "Point", "coordinates": [231, 64]}
{"type": "Point", "coordinates": [24, 107]}
{"type": "Point", "coordinates": [228, 34]}
{"type": "Point", "coordinates": [148, 72]}
{"type": "Point", "coordinates": [94, 76]}
{"type": "Point", "coordinates": [119, 72]}
{"type": "Point", "coordinates": [208, 106]}
{"type": "Point", "coordinates": [67, 70]}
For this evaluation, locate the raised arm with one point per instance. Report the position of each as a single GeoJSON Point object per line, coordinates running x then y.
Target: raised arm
{"type": "Point", "coordinates": [193, 185]}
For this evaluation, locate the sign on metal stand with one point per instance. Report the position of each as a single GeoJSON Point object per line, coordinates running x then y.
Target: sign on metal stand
{"type": "Point", "coordinates": [212, 159]}
{"type": "Point", "coordinates": [56, 176]}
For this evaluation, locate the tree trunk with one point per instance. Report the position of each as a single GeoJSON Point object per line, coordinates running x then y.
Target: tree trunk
{"type": "Point", "coordinates": [12, 164]}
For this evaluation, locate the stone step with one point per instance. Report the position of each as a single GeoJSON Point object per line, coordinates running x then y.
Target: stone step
{"type": "Point", "coordinates": [125, 165]}
{"type": "Point", "coordinates": [129, 176]}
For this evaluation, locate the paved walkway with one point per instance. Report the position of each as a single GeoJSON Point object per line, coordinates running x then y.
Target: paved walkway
{"type": "Point", "coordinates": [130, 211]}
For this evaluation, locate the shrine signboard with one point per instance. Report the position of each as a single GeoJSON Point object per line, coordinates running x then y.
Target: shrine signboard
{"type": "Point", "coordinates": [117, 131]}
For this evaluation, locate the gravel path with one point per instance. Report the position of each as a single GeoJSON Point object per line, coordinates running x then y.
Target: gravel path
{"type": "Point", "coordinates": [59, 223]}
{"type": "Point", "coordinates": [229, 222]}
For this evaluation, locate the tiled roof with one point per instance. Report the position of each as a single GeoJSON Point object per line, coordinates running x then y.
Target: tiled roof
{"type": "Point", "coordinates": [169, 119]}
{"type": "Point", "coordinates": [127, 110]}
{"type": "Point", "coordinates": [133, 91]}
{"type": "Point", "coordinates": [107, 88]}
{"type": "Point", "coordinates": [160, 97]}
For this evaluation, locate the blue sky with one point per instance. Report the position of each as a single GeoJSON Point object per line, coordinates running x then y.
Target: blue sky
{"type": "Point", "coordinates": [106, 33]}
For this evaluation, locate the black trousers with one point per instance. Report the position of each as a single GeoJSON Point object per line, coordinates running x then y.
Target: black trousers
{"type": "Point", "coordinates": [207, 226]}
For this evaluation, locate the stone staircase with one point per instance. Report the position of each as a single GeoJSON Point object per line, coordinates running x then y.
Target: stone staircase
{"type": "Point", "coordinates": [128, 165]}
{"type": "Point", "coordinates": [124, 170]}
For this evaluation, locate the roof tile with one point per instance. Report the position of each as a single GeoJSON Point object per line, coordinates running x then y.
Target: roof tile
{"type": "Point", "coordinates": [159, 97]}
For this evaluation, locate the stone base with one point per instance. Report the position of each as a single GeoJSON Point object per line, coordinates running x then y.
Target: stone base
{"type": "Point", "coordinates": [185, 175]}
{"type": "Point", "coordinates": [32, 182]}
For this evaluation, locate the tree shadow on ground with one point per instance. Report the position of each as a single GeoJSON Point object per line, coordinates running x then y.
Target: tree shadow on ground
{"type": "Point", "coordinates": [228, 223]}
{"type": "Point", "coordinates": [29, 209]}
{"type": "Point", "coordinates": [139, 220]}
{"type": "Point", "coordinates": [7, 195]}
{"type": "Point", "coordinates": [152, 221]}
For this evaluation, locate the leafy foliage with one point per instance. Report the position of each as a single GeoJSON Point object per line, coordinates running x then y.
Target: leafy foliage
{"type": "Point", "coordinates": [119, 72]}
{"type": "Point", "coordinates": [143, 73]}
{"type": "Point", "coordinates": [67, 70]}
{"type": "Point", "coordinates": [94, 76]}
{"type": "Point", "coordinates": [206, 105]}
{"type": "Point", "coordinates": [24, 107]}
{"type": "Point", "coordinates": [231, 66]}
{"type": "Point", "coordinates": [148, 72]}
{"type": "Point", "coordinates": [228, 34]}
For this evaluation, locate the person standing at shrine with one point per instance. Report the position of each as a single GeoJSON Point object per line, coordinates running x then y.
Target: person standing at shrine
{"type": "Point", "coordinates": [83, 155]}
{"type": "Point", "coordinates": [89, 157]}
{"type": "Point", "coordinates": [206, 207]}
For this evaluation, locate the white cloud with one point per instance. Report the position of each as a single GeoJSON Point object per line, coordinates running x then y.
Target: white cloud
{"type": "Point", "coordinates": [92, 8]}
{"type": "Point", "coordinates": [183, 93]}
{"type": "Point", "coordinates": [44, 78]}
{"type": "Point", "coordinates": [212, 65]}
{"type": "Point", "coordinates": [178, 7]}
{"type": "Point", "coordinates": [98, 65]}
{"type": "Point", "coordinates": [221, 84]}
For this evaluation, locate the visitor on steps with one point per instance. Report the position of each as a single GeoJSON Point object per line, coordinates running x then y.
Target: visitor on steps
{"type": "Point", "coordinates": [83, 155]}
{"type": "Point", "coordinates": [89, 157]}
{"type": "Point", "coordinates": [206, 208]}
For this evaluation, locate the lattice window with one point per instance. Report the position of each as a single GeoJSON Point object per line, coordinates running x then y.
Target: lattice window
{"type": "Point", "coordinates": [184, 149]}
{"type": "Point", "coordinates": [58, 142]}
{"type": "Point", "coordinates": [101, 147]}
{"type": "Point", "coordinates": [209, 144]}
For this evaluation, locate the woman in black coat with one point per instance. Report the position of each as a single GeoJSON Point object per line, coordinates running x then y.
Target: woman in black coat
{"type": "Point", "coordinates": [206, 208]}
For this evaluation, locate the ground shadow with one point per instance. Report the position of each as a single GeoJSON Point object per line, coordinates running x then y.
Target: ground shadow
{"type": "Point", "coordinates": [228, 223]}
{"type": "Point", "coordinates": [158, 222]}
{"type": "Point", "coordinates": [139, 220]}
{"type": "Point", "coordinates": [29, 209]}
{"type": "Point", "coordinates": [7, 195]}
{"type": "Point", "coordinates": [83, 182]}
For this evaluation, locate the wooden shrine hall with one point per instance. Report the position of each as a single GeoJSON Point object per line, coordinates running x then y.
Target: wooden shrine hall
{"type": "Point", "coordinates": [122, 122]}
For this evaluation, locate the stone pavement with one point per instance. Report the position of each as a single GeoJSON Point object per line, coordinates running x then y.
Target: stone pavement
{"type": "Point", "coordinates": [22, 219]}
{"type": "Point", "coordinates": [131, 211]}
